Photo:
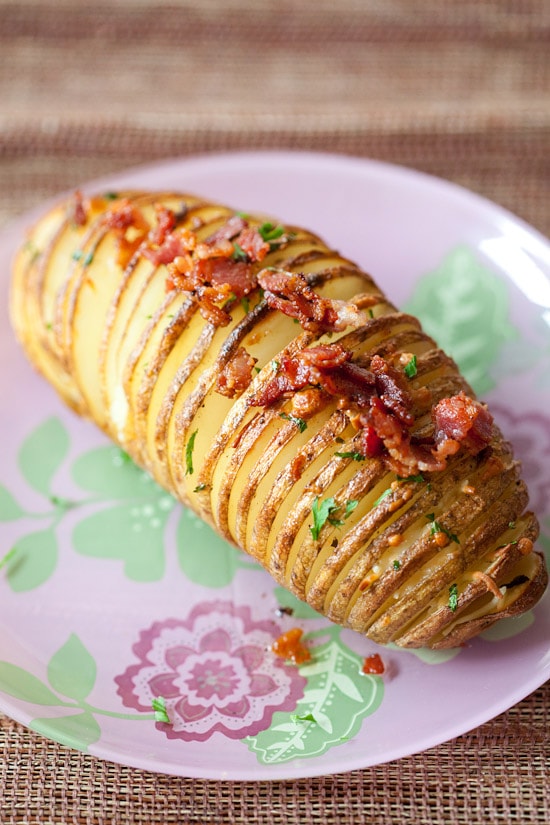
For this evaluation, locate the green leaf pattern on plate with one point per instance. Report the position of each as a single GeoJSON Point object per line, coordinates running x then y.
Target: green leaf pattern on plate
{"type": "Point", "coordinates": [335, 702]}
{"type": "Point", "coordinates": [43, 453]}
{"type": "Point", "coordinates": [71, 673]}
{"type": "Point", "coordinates": [465, 307]}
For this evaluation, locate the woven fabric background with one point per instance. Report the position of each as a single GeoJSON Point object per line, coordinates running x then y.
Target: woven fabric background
{"type": "Point", "coordinates": [456, 89]}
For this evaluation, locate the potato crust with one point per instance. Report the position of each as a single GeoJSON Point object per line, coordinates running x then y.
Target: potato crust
{"type": "Point", "coordinates": [125, 311]}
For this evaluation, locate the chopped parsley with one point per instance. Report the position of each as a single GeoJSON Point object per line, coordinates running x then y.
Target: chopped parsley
{"type": "Point", "coordinates": [159, 706]}
{"type": "Point", "coordinates": [275, 365]}
{"type": "Point", "coordinates": [189, 454]}
{"type": "Point", "coordinates": [244, 215]}
{"type": "Point", "coordinates": [78, 255]}
{"type": "Point", "coordinates": [324, 511]}
{"type": "Point", "coordinates": [371, 313]}
{"type": "Point", "coordinates": [111, 196]}
{"type": "Point", "coordinates": [245, 303]}
{"type": "Point", "coordinates": [238, 252]}
{"type": "Point", "coordinates": [352, 454]}
{"type": "Point", "coordinates": [417, 478]}
{"type": "Point", "coordinates": [381, 498]}
{"type": "Point", "coordinates": [199, 488]}
{"type": "Point", "coordinates": [437, 527]}
{"type": "Point", "coordinates": [410, 368]}
{"type": "Point", "coordinates": [270, 232]}
{"type": "Point", "coordinates": [453, 597]}
{"type": "Point", "coordinates": [396, 564]}
{"type": "Point", "coordinates": [300, 423]}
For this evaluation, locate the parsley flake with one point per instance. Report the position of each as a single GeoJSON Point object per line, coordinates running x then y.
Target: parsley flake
{"type": "Point", "coordinates": [199, 488]}
{"type": "Point", "coordinates": [189, 454]}
{"type": "Point", "coordinates": [396, 564]}
{"type": "Point", "coordinates": [300, 423]}
{"type": "Point", "coordinates": [381, 498]}
{"type": "Point", "coordinates": [437, 527]}
{"type": "Point", "coordinates": [417, 478]}
{"type": "Point", "coordinates": [410, 368]}
{"type": "Point", "coordinates": [159, 706]}
{"type": "Point", "coordinates": [270, 232]}
{"type": "Point", "coordinates": [324, 511]}
{"type": "Point", "coordinates": [238, 252]}
{"type": "Point", "coordinates": [453, 597]}
{"type": "Point", "coordinates": [352, 454]}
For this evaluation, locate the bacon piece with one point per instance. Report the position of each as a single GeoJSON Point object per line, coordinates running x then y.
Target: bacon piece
{"type": "Point", "coordinates": [80, 215]}
{"type": "Point", "coordinates": [290, 293]}
{"type": "Point", "coordinates": [237, 374]}
{"type": "Point", "coordinates": [228, 231]}
{"type": "Point", "coordinates": [462, 420]}
{"type": "Point", "coordinates": [252, 243]}
{"type": "Point", "coordinates": [290, 646]}
{"type": "Point", "coordinates": [120, 217]}
{"type": "Point", "coordinates": [123, 215]}
{"type": "Point", "coordinates": [379, 403]}
{"type": "Point", "coordinates": [391, 388]}
{"type": "Point", "coordinates": [171, 248]}
{"type": "Point", "coordinates": [163, 245]}
{"type": "Point", "coordinates": [212, 281]}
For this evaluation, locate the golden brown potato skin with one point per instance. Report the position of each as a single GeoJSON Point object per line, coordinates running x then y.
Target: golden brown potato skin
{"type": "Point", "coordinates": [429, 559]}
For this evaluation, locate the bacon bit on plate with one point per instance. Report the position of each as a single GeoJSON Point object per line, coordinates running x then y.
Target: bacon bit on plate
{"type": "Point", "coordinates": [237, 374]}
{"type": "Point", "coordinates": [290, 646]}
{"type": "Point", "coordinates": [373, 665]}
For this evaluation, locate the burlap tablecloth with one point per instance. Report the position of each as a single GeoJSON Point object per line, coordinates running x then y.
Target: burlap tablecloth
{"type": "Point", "coordinates": [457, 89]}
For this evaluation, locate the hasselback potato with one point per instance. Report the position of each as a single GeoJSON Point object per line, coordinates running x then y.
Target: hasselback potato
{"type": "Point", "coordinates": [268, 384]}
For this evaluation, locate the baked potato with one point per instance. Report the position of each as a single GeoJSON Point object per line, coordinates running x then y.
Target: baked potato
{"type": "Point", "coordinates": [267, 383]}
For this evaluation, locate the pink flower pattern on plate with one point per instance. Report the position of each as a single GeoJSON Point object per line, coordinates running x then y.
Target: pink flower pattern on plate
{"type": "Point", "coordinates": [214, 671]}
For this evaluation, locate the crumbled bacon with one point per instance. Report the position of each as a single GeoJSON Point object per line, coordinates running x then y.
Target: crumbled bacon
{"type": "Point", "coordinates": [379, 403]}
{"type": "Point", "coordinates": [465, 421]}
{"type": "Point", "coordinates": [121, 217]}
{"type": "Point", "coordinates": [373, 665]}
{"type": "Point", "coordinates": [212, 281]}
{"type": "Point", "coordinates": [236, 375]}
{"type": "Point", "coordinates": [163, 245]}
{"type": "Point", "coordinates": [391, 388]}
{"type": "Point", "coordinates": [229, 230]}
{"type": "Point", "coordinates": [252, 244]}
{"type": "Point", "coordinates": [290, 293]}
{"type": "Point", "coordinates": [290, 646]}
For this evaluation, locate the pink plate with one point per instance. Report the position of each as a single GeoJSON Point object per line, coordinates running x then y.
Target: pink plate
{"type": "Point", "coordinates": [106, 603]}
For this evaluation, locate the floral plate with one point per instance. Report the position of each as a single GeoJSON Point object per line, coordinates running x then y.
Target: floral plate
{"type": "Point", "coordinates": [112, 595]}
